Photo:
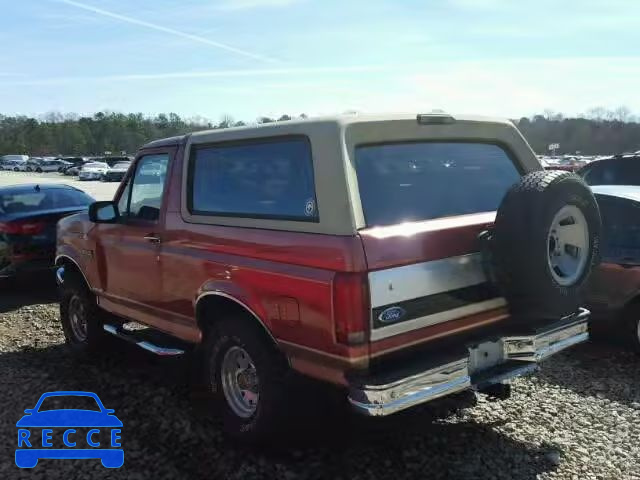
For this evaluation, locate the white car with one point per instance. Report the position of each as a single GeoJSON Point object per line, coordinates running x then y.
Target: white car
{"type": "Point", "coordinates": [49, 165]}
{"type": "Point", "coordinates": [93, 171]}
{"type": "Point", "coordinates": [15, 165]}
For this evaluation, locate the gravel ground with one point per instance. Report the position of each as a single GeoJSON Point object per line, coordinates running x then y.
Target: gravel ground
{"type": "Point", "coordinates": [98, 190]}
{"type": "Point", "coordinates": [577, 419]}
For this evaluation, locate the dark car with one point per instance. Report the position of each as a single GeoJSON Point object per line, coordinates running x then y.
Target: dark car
{"type": "Point", "coordinates": [70, 162]}
{"type": "Point", "coordinates": [617, 170]}
{"type": "Point", "coordinates": [28, 217]}
{"type": "Point", "coordinates": [117, 172]}
{"type": "Point", "coordinates": [614, 290]}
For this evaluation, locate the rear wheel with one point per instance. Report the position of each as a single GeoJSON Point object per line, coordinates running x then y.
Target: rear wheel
{"type": "Point", "coordinates": [16, 169]}
{"type": "Point", "coordinates": [248, 380]}
{"type": "Point", "coordinates": [39, 170]}
{"type": "Point", "coordinates": [80, 316]}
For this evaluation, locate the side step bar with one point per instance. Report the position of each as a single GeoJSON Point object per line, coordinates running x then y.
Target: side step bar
{"type": "Point", "coordinates": [132, 337]}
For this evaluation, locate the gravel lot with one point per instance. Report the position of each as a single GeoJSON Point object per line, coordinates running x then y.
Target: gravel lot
{"type": "Point", "coordinates": [98, 190]}
{"type": "Point", "coordinates": [577, 419]}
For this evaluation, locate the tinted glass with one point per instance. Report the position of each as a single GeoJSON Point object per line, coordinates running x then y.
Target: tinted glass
{"type": "Point", "coordinates": [405, 182]}
{"type": "Point", "coordinates": [271, 179]}
{"type": "Point", "coordinates": [147, 187]}
{"type": "Point", "coordinates": [621, 228]}
{"type": "Point", "coordinates": [613, 172]}
{"type": "Point", "coordinates": [32, 201]}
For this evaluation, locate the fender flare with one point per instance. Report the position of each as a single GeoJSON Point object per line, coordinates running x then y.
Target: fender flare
{"type": "Point", "coordinates": [219, 290]}
{"type": "Point", "coordinates": [64, 257]}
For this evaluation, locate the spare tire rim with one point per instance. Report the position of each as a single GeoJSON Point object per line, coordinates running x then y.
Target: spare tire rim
{"type": "Point", "coordinates": [240, 382]}
{"type": "Point", "coordinates": [568, 245]}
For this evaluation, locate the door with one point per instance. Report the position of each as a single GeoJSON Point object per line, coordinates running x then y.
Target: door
{"type": "Point", "coordinates": [128, 251]}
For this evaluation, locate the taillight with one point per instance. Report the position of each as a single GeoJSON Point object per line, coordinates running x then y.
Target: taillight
{"type": "Point", "coordinates": [22, 227]}
{"type": "Point", "coordinates": [351, 310]}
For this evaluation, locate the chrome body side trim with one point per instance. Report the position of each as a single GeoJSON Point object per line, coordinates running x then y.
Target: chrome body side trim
{"type": "Point", "coordinates": [395, 285]}
{"type": "Point", "coordinates": [402, 327]}
{"type": "Point", "coordinates": [489, 362]}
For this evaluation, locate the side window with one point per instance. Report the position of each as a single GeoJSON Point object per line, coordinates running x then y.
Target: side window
{"type": "Point", "coordinates": [270, 178]}
{"type": "Point", "coordinates": [142, 197]}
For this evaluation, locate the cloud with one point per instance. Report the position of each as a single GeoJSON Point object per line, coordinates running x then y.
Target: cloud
{"type": "Point", "coordinates": [232, 5]}
{"type": "Point", "coordinates": [171, 31]}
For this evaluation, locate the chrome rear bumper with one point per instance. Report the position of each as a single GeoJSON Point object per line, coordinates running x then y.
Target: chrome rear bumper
{"type": "Point", "coordinates": [486, 363]}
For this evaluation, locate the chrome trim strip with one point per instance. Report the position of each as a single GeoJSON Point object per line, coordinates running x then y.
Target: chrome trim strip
{"type": "Point", "coordinates": [516, 356]}
{"type": "Point", "coordinates": [429, 320]}
{"type": "Point", "coordinates": [395, 285]}
{"type": "Point", "coordinates": [77, 265]}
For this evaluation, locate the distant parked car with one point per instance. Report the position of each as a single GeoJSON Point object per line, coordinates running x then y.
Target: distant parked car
{"type": "Point", "coordinates": [28, 217]}
{"type": "Point", "coordinates": [71, 162]}
{"type": "Point", "coordinates": [33, 163]}
{"type": "Point", "coordinates": [19, 158]}
{"type": "Point", "coordinates": [14, 165]}
{"type": "Point", "coordinates": [49, 165]}
{"type": "Point", "coordinates": [617, 170]}
{"type": "Point", "coordinates": [117, 172]}
{"type": "Point", "coordinates": [614, 290]}
{"type": "Point", "coordinates": [93, 171]}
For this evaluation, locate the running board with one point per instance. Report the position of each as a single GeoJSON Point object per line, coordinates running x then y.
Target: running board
{"type": "Point", "coordinates": [136, 337]}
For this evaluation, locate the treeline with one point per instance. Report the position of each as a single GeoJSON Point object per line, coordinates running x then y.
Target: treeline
{"type": "Point", "coordinates": [55, 134]}
{"type": "Point", "coordinates": [598, 132]}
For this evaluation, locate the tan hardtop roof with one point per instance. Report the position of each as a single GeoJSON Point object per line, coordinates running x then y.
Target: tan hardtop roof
{"type": "Point", "coordinates": [347, 119]}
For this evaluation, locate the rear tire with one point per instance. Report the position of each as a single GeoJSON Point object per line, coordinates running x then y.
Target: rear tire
{"type": "Point", "coordinates": [248, 380]}
{"type": "Point", "coordinates": [80, 316]}
{"type": "Point", "coordinates": [38, 170]}
{"type": "Point", "coordinates": [546, 241]}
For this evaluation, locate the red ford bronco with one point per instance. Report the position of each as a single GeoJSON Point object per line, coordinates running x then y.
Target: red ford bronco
{"type": "Point", "coordinates": [401, 258]}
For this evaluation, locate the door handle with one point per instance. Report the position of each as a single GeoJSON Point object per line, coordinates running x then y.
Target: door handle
{"type": "Point", "coordinates": [152, 238]}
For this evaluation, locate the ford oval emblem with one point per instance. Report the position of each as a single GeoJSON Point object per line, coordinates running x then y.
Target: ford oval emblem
{"type": "Point", "coordinates": [392, 315]}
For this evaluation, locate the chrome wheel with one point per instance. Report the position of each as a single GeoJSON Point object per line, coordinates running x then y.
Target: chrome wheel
{"type": "Point", "coordinates": [239, 380]}
{"type": "Point", "coordinates": [568, 242]}
{"type": "Point", "coordinates": [78, 318]}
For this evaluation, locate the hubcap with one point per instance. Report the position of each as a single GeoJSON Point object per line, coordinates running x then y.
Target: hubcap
{"type": "Point", "coordinates": [568, 245]}
{"type": "Point", "coordinates": [240, 382]}
{"type": "Point", "coordinates": [77, 319]}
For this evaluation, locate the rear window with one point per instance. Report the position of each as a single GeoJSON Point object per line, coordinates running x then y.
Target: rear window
{"type": "Point", "coordinates": [405, 182]}
{"type": "Point", "coordinates": [271, 178]}
{"type": "Point", "coordinates": [33, 201]}
{"type": "Point", "coordinates": [613, 172]}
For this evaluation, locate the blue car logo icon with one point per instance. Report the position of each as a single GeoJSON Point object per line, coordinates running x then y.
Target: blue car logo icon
{"type": "Point", "coordinates": [36, 435]}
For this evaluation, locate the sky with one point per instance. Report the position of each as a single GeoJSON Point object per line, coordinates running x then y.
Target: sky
{"type": "Point", "coordinates": [251, 58]}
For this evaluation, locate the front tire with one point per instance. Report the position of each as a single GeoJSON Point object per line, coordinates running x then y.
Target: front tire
{"type": "Point", "coordinates": [248, 380]}
{"type": "Point", "coordinates": [80, 316]}
{"type": "Point", "coordinates": [38, 170]}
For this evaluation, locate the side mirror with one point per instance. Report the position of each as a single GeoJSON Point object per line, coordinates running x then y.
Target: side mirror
{"type": "Point", "coordinates": [29, 410]}
{"type": "Point", "coordinates": [103, 212]}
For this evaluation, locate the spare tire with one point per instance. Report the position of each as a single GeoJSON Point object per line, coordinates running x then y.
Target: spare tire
{"type": "Point", "coordinates": [546, 241]}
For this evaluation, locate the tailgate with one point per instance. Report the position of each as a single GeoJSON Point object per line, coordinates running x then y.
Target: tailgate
{"type": "Point", "coordinates": [428, 274]}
